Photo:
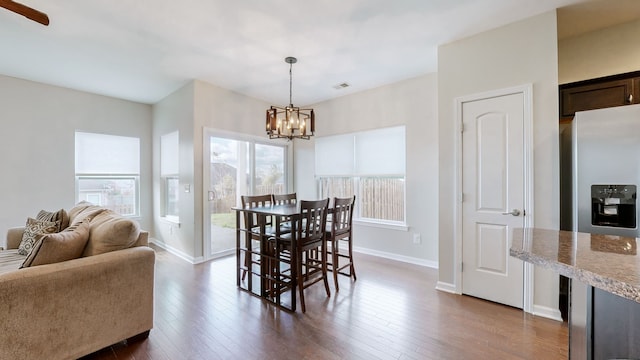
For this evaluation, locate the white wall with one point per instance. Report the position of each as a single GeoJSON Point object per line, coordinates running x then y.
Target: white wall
{"type": "Point", "coordinates": [175, 113]}
{"type": "Point", "coordinates": [413, 103]}
{"type": "Point", "coordinates": [609, 51]}
{"type": "Point", "coordinates": [520, 53]}
{"type": "Point", "coordinates": [189, 110]}
{"type": "Point", "coordinates": [37, 145]}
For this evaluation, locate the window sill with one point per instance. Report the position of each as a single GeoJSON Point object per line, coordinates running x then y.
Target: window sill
{"type": "Point", "coordinates": [171, 219]}
{"type": "Point", "coordinates": [400, 227]}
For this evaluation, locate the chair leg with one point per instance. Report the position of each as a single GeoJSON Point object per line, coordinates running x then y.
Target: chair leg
{"type": "Point", "coordinates": [300, 281]}
{"type": "Point", "coordinates": [335, 263]}
{"type": "Point", "coordinates": [353, 269]}
{"type": "Point", "coordinates": [323, 257]}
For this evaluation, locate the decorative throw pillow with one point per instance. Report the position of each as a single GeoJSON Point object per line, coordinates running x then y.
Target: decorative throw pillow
{"type": "Point", "coordinates": [109, 232]}
{"type": "Point", "coordinates": [60, 215]}
{"type": "Point", "coordinates": [62, 246]}
{"type": "Point", "coordinates": [83, 210]}
{"type": "Point", "coordinates": [32, 229]}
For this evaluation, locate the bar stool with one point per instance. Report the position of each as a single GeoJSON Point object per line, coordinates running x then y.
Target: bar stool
{"type": "Point", "coordinates": [340, 230]}
{"type": "Point", "coordinates": [284, 199]}
{"type": "Point", "coordinates": [253, 230]}
{"type": "Point", "coordinates": [309, 263]}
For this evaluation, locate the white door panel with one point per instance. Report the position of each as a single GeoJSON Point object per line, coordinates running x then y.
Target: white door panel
{"type": "Point", "coordinates": [493, 186]}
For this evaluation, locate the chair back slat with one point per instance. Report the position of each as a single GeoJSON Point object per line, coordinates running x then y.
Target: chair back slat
{"type": "Point", "coordinates": [313, 221]}
{"type": "Point", "coordinates": [342, 216]}
{"type": "Point", "coordinates": [284, 199]}
{"type": "Point", "coordinates": [248, 201]}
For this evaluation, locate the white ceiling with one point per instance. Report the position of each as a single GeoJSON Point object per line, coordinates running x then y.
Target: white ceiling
{"type": "Point", "coordinates": [142, 50]}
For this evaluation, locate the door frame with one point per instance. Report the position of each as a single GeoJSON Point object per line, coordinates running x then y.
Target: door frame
{"type": "Point", "coordinates": [527, 91]}
{"type": "Point", "coordinates": [207, 133]}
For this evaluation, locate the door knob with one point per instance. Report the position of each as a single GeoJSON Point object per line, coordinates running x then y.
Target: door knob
{"type": "Point", "coordinates": [514, 212]}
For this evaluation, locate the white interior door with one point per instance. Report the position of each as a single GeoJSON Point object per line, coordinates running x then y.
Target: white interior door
{"type": "Point", "coordinates": [493, 196]}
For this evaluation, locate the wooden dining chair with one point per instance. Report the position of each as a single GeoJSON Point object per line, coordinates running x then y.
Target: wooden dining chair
{"type": "Point", "coordinates": [309, 256]}
{"type": "Point", "coordinates": [252, 230]}
{"type": "Point", "coordinates": [339, 230]}
{"type": "Point", "coordinates": [283, 199]}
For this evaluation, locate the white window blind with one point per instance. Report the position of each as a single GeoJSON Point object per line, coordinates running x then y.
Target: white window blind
{"type": "Point", "coordinates": [107, 154]}
{"type": "Point", "coordinates": [380, 152]}
{"type": "Point", "coordinates": [373, 152]}
{"type": "Point", "coordinates": [334, 155]}
{"type": "Point", "coordinates": [169, 152]}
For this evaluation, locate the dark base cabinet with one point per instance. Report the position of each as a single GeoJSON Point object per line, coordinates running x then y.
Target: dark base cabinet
{"type": "Point", "coordinates": [616, 327]}
{"type": "Point", "coordinates": [602, 325]}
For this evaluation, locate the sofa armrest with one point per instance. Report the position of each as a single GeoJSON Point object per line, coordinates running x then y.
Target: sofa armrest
{"type": "Point", "coordinates": [70, 309]}
{"type": "Point", "coordinates": [14, 237]}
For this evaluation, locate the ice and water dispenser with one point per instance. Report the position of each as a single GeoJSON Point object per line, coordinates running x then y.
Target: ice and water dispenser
{"type": "Point", "coordinates": [613, 206]}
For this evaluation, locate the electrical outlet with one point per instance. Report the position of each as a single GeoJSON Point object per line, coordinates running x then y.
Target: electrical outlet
{"type": "Point", "coordinates": [416, 238]}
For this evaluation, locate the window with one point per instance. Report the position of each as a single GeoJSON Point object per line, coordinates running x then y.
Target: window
{"type": "Point", "coordinates": [108, 171]}
{"type": "Point", "coordinates": [369, 164]}
{"type": "Point", "coordinates": [240, 167]}
{"type": "Point", "coordinates": [169, 174]}
{"type": "Point", "coordinates": [269, 174]}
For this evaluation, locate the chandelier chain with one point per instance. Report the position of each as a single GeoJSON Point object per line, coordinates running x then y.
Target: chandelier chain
{"type": "Point", "coordinates": [290, 83]}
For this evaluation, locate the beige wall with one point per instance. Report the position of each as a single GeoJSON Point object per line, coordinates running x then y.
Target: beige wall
{"type": "Point", "coordinates": [412, 103]}
{"type": "Point", "coordinates": [189, 110]}
{"type": "Point", "coordinates": [175, 113]}
{"type": "Point", "coordinates": [516, 54]}
{"type": "Point", "coordinates": [609, 51]}
{"type": "Point", "coordinates": [38, 147]}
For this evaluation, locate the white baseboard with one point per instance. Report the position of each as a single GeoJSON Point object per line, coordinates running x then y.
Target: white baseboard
{"type": "Point", "coordinates": [382, 254]}
{"type": "Point", "coordinates": [547, 312]}
{"type": "Point", "coordinates": [402, 258]}
{"type": "Point", "coordinates": [176, 252]}
{"type": "Point", "coordinates": [447, 287]}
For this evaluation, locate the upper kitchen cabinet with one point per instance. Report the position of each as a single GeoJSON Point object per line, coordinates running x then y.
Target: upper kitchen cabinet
{"type": "Point", "coordinates": [609, 91]}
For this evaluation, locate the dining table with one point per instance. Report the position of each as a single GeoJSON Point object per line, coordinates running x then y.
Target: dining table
{"type": "Point", "coordinates": [273, 270]}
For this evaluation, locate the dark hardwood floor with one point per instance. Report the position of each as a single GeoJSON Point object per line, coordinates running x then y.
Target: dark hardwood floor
{"type": "Point", "coordinates": [391, 312]}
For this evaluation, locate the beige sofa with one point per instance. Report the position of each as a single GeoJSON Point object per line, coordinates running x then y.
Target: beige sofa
{"type": "Point", "coordinates": [69, 309]}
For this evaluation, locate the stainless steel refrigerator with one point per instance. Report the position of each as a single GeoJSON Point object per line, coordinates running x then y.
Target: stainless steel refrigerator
{"type": "Point", "coordinates": [605, 175]}
{"type": "Point", "coordinates": [606, 170]}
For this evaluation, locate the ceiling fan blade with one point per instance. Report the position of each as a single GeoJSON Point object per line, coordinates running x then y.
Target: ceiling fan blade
{"type": "Point", "coordinates": [25, 11]}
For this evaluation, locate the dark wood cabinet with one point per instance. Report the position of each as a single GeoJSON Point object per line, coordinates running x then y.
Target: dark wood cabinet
{"type": "Point", "coordinates": [610, 91]}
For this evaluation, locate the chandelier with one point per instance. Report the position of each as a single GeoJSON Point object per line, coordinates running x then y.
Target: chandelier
{"type": "Point", "coordinates": [290, 122]}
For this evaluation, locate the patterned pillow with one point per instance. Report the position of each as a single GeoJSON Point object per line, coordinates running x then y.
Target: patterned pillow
{"type": "Point", "coordinates": [58, 247]}
{"type": "Point", "coordinates": [60, 215]}
{"type": "Point", "coordinates": [32, 229]}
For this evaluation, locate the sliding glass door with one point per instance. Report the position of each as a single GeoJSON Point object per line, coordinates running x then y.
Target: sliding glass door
{"type": "Point", "coordinates": [235, 165]}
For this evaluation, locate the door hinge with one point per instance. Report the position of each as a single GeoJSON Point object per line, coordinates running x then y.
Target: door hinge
{"type": "Point", "coordinates": [462, 267]}
{"type": "Point", "coordinates": [462, 127]}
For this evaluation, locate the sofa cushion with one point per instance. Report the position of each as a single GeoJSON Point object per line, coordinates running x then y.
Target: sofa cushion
{"type": "Point", "coordinates": [10, 260]}
{"type": "Point", "coordinates": [32, 229]}
{"type": "Point", "coordinates": [62, 246]}
{"type": "Point", "coordinates": [60, 215]}
{"type": "Point", "coordinates": [83, 210]}
{"type": "Point", "coordinates": [109, 231]}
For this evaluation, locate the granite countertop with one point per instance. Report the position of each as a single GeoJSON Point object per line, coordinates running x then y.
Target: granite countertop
{"type": "Point", "coordinates": [607, 262]}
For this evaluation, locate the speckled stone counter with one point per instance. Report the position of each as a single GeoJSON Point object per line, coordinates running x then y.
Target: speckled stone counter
{"type": "Point", "coordinates": [606, 262]}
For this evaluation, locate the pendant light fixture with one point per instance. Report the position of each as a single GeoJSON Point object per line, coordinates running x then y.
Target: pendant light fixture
{"type": "Point", "coordinates": [290, 122]}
